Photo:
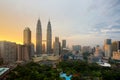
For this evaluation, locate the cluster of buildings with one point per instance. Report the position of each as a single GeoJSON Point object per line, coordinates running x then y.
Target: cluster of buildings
{"type": "Point", "coordinates": [110, 50]}
{"type": "Point", "coordinates": [10, 52]}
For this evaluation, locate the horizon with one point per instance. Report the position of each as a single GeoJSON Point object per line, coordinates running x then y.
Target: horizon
{"type": "Point", "coordinates": [85, 23]}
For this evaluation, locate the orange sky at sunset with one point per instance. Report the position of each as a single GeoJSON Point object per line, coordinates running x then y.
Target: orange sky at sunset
{"type": "Point", "coordinates": [81, 22]}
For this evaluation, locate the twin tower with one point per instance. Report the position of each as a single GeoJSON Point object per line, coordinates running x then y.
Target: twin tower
{"type": "Point", "coordinates": [39, 38]}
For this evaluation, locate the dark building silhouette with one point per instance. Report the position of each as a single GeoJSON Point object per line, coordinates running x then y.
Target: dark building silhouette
{"type": "Point", "coordinates": [63, 44]}
{"type": "Point", "coordinates": [49, 38]}
{"type": "Point", "coordinates": [38, 38]}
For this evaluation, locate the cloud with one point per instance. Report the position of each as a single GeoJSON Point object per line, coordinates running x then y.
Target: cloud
{"type": "Point", "coordinates": [80, 21]}
{"type": "Point", "coordinates": [110, 30]}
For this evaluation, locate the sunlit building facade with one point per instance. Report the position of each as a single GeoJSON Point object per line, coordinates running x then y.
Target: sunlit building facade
{"type": "Point", "coordinates": [116, 55]}
{"type": "Point", "coordinates": [27, 36]}
{"type": "Point", "coordinates": [108, 48]}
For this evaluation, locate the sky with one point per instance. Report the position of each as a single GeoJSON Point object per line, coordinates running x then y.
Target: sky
{"type": "Point", "coordinates": [81, 22]}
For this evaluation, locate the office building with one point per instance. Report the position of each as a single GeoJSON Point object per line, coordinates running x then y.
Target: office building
{"type": "Point", "coordinates": [118, 45]}
{"type": "Point", "coordinates": [114, 46]}
{"type": "Point", "coordinates": [108, 48]}
{"type": "Point", "coordinates": [27, 36]}
{"type": "Point", "coordinates": [32, 51]}
{"type": "Point", "coordinates": [24, 53]}
{"type": "Point", "coordinates": [20, 54]}
{"type": "Point", "coordinates": [63, 44]}
{"type": "Point", "coordinates": [56, 46]}
{"type": "Point", "coordinates": [116, 55]}
{"type": "Point", "coordinates": [38, 38]}
{"type": "Point", "coordinates": [8, 51]}
{"type": "Point", "coordinates": [98, 52]}
{"type": "Point", "coordinates": [49, 38]}
{"type": "Point", "coordinates": [27, 43]}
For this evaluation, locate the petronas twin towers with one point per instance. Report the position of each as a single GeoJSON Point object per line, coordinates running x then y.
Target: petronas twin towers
{"type": "Point", "coordinates": [39, 38]}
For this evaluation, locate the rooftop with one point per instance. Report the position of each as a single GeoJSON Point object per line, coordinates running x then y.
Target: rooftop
{"type": "Point", "coordinates": [3, 70]}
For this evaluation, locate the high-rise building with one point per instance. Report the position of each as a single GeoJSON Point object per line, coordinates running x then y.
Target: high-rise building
{"type": "Point", "coordinates": [43, 48]}
{"type": "Point", "coordinates": [8, 51]}
{"type": "Point", "coordinates": [56, 46]}
{"type": "Point", "coordinates": [26, 52]}
{"type": "Point", "coordinates": [114, 46]}
{"type": "Point", "coordinates": [60, 48]}
{"type": "Point", "coordinates": [23, 53]}
{"type": "Point", "coordinates": [32, 51]}
{"type": "Point", "coordinates": [49, 38]}
{"type": "Point", "coordinates": [108, 48]}
{"type": "Point", "coordinates": [27, 36]}
{"type": "Point", "coordinates": [63, 44]}
{"type": "Point", "coordinates": [118, 45]}
{"type": "Point", "coordinates": [108, 41]}
{"type": "Point", "coordinates": [27, 42]}
{"type": "Point", "coordinates": [98, 52]}
{"type": "Point", "coordinates": [38, 38]}
{"type": "Point", "coordinates": [20, 54]}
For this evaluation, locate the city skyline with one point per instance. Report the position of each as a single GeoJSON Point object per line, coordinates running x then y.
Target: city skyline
{"type": "Point", "coordinates": [79, 22]}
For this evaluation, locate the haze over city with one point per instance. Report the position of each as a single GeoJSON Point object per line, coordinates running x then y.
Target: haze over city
{"type": "Point", "coordinates": [84, 22]}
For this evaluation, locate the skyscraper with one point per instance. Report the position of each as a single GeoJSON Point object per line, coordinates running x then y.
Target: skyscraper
{"type": "Point", "coordinates": [56, 46]}
{"type": "Point", "coordinates": [27, 36]}
{"type": "Point", "coordinates": [108, 48]}
{"type": "Point", "coordinates": [27, 43]}
{"type": "Point", "coordinates": [38, 38]}
{"type": "Point", "coordinates": [114, 46]}
{"type": "Point", "coordinates": [49, 38]}
{"type": "Point", "coordinates": [63, 44]}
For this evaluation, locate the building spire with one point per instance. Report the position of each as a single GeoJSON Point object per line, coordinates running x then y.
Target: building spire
{"type": "Point", "coordinates": [49, 24]}
{"type": "Point", "coordinates": [39, 23]}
